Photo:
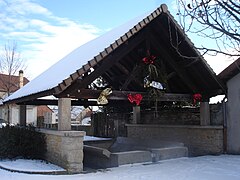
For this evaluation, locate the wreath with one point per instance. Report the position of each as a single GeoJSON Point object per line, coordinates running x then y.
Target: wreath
{"type": "Point", "coordinates": [154, 76]}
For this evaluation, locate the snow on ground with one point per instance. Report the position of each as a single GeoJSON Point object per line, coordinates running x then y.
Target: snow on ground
{"type": "Point", "coordinates": [33, 165]}
{"type": "Point", "coordinates": [222, 167]}
{"type": "Point", "coordinates": [93, 138]}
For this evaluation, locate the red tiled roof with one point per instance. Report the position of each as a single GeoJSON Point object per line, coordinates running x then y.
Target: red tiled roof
{"type": "Point", "coordinates": [41, 110]}
{"type": "Point", "coordinates": [10, 83]}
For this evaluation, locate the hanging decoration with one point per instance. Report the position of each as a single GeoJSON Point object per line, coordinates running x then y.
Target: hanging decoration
{"type": "Point", "coordinates": [154, 76]}
{"type": "Point", "coordinates": [102, 99]}
{"type": "Point", "coordinates": [135, 99]}
{"type": "Point", "coordinates": [197, 98]}
{"type": "Point", "coordinates": [147, 83]}
{"type": "Point", "coordinates": [156, 85]}
{"type": "Point", "coordinates": [149, 59]}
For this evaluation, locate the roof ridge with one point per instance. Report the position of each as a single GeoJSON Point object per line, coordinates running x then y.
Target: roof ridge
{"type": "Point", "coordinates": [101, 55]}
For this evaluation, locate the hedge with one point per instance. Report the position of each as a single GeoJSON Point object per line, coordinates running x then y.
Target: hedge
{"type": "Point", "coordinates": [25, 142]}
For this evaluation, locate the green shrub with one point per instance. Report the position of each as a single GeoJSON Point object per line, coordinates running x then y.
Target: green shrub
{"type": "Point", "coordinates": [26, 142]}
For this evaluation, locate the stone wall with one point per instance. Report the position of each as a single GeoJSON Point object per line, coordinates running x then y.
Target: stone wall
{"type": "Point", "coordinates": [89, 129]}
{"type": "Point", "coordinates": [181, 116]}
{"type": "Point", "coordinates": [233, 115]}
{"type": "Point", "coordinates": [216, 114]}
{"type": "Point", "coordinates": [200, 140]}
{"type": "Point", "coordinates": [171, 116]}
{"type": "Point", "coordinates": [65, 148]}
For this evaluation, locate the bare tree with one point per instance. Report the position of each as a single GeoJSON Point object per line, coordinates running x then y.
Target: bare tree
{"type": "Point", "coordinates": [218, 20]}
{"type": "Point", "coordinates": [10, 64]}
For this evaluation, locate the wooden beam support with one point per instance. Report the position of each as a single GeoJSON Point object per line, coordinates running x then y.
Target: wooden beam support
{"type": "Point", "coordinates": [122, 68]}
{"type": "Point", "coordinates": [171, 75]}
{"type": "Point", "coordinates": [108, 62]}
{"type": "Point", "coordinates": [122, 95]}
{"type": "Point", "coordinates": [131, 77]}
{"type": "Point", "coordinates": [54, 102]}
{"type": "Point", "coordinates": [168, 59]}
{"type": "Point", "coordinates": [31, 97]}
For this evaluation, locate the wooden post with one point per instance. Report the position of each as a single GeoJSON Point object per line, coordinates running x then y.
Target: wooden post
{"type": "Point", "coordinates": [64, 114]}
{"type": "Point", "coordinates": [116, 128]}
{"type": "Point", "coordinates": [22, 115]}
{"type": "Point", "coordinates": [204, 114]}
{"type": "Point", "coordinates": [136, 114]}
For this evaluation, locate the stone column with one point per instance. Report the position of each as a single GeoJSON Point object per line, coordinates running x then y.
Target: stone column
{"type": "Point", "coordinates": [22, 108]}
{"type": "Point", "coordinates": [22, 115]}
{"type": "Point", "coordinates": [204, 114]}
{"type": "Point", "coordinates": [136, 114]}
{"type": "Point", "coordinates": [64, 114]}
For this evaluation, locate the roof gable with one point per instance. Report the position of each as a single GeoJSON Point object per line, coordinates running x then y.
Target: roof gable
{"type": "Point", "coordinates": [78, 59]}
{"type": "Point", "coordinates": [116, 52]}
{"type": "Point", "coordinates": [230, 71]}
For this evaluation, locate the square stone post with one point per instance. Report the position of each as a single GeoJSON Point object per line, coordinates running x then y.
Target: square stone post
{"type": "Point", "coordinates": [64, 114]}
{"type": "Point", "coordinates": [65, 148]}
{"type": "Point", "coordinates": [136, 114]}
{"type": "Point", "coordinates": [204, 114]}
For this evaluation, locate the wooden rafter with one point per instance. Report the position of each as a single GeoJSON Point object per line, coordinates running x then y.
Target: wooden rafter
{"type": "Point", "coordinates": [107, 63]}
{"type": "Point", "coordinates": [169, 60]}
{"type": "Point", "coordinates": [122, 68]}
{"type": "Point", "coordinates": [32, 96]}
{"type": "Point", "coordinates": [122, 95]}
{"type": "Point", "coordinates": [131, 77]}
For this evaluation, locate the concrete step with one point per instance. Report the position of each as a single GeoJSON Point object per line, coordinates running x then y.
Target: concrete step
{"type": "Point", "coordinates": [159, 154]}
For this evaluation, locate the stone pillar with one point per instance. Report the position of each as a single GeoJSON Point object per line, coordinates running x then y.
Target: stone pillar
{"type": "Point", "coordinates": [65, 148]}
{"type": "Point", "coordinates": [22, 115]}
{"type": "Point", "coordinates": [64, 114]}
{"type": "Point", "coordinates": [136, 114]}
{"type": "Point", "coordinates": [204, 114]}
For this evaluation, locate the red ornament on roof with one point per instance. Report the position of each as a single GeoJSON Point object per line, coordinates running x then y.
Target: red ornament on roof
{"type": "Point", "coordinates": [136, 98]}
{"type": "Point", "coordinates": [149, 59]}
{"type": "Point", "coordinates": [197, 98]}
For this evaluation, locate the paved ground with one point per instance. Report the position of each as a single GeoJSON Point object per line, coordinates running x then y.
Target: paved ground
{"type": "Point", "coordinates": [224, 167]}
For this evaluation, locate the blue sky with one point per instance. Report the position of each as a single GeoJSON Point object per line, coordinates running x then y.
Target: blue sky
{"type": "Point", "coordinates": [47, 30]}
{"type": "Point", "coordinates": [103, 14]}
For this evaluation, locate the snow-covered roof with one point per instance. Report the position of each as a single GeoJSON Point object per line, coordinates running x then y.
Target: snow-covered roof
{"type": "Point", "coordinates": [74, 61]}
{"type": "Point", "coordinates": [65, 77]}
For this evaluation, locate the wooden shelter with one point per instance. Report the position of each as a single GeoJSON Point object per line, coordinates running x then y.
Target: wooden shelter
{"type": "Point", "coordinates": [116, 57]}
{"type": "Point", "coordinates": [118, 62]}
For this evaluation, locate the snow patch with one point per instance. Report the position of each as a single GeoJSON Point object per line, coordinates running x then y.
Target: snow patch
{"type": "Point", "coordinates": [30, 165]}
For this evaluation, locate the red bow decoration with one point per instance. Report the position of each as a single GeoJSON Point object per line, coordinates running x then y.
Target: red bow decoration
{"type": "Point", "coordinates": [196, 98]}
{"type": "Point", "coordinates": [137, 98]}
{"type": "Point", "coordinates": [149, 59]}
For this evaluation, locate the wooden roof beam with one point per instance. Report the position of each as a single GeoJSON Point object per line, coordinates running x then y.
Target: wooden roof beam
{"type": "Point", "coordinates": [122, 95]}
{"type": "Point", "coordinates": [108, 62]}
{"type": "Point", "coordinates": [168, 59]}
{"type": "Point", "coordinates": [131, 77]}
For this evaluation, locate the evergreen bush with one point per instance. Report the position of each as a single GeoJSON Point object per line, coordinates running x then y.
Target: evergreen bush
{"type": "Point", "coordinates": [26, 142]}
